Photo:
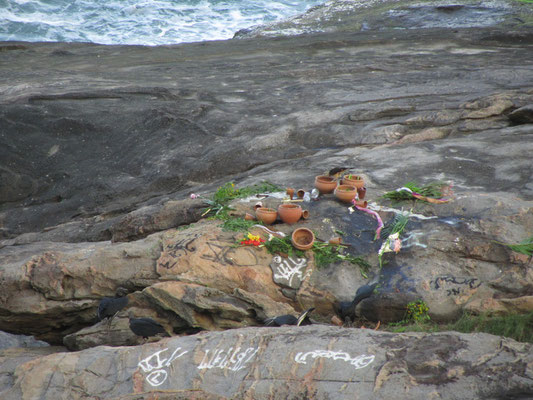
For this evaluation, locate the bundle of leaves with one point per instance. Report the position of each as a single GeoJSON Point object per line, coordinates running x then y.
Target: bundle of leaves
{"type": "Point", "coordinates": [218, 204]}
{"type": "Point", "coordinates": [396, 225]}
{"type": "Point", "coordinates": [282, 246]}
{"type": "Point", "coordinates": [324, 253]}
{"type": "Point", "coordinates": [432, 189]}
{"type": "Point", "coordinates": [238, 224]}
{"type": "Point", "coordinates": [524, 247]}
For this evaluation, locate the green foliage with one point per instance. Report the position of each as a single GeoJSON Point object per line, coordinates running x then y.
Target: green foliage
{"type": "Point", "coordinates": [433, 189]}
{"type": "Point", "coordinates": [282, 246]}
{"type": "Point", "coordinates": [516, 326]}
{"type": "Point", "coordinates": [524, 247]}
{"type": "Point", "coordinates": [397, 225]}
{"type": "Point", "coordinates": [218, 205]}
{"type": "Point", "coordinates": [324, 253]}
{"type": "Point", "coordinates": [238, 224]}
{"type": "Point", "coordinates": [184, 227]}
{"type": "Point", "coordinates": [400, 327]}
{"type": "Point", "coordinates": [417, 311]}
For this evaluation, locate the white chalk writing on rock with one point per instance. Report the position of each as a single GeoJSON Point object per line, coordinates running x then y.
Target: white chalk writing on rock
{"type": "Point", "coordinates": [286, 271]}
{"type": "Point", "coordinates": [233, 360]}
{"type": "Point", "coordinates": [155, 363]}
{"type": "Point", "coordinates": [358, 362]}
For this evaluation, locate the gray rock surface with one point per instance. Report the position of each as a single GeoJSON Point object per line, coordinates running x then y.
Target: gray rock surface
{"type": "Point", "coordinates": [8, 340]}
{"type": "Point", "coordinates": [287, 363]}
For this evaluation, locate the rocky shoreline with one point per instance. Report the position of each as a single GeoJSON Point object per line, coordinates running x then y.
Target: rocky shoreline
{"type": "Point", "coordinates": [101, 147]}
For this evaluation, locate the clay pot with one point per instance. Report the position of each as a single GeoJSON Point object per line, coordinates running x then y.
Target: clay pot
{"type": "Point", "coordinates": [346, 193]}
{"type": "Point", "coordinates": [361, 203]}
{"type": "Point", "coordinates": [300, 193]}
{"type": "Point", "coordinates": [335, 240]}
{"type": "Point", "coordinates": [267, 215]}
{"type": "Point", "coordinates": [289, 213]}
{"type": "Point", "coordinates": [305, 214]}
{"type": "Point", "coordinates": [325, 184]}
{"type": "Point", "coordinates": [290, 192]}
{"type": "Point", "coordinates": [302, 238]}
{"type": "Point", "coordinates": [361, 193]}
{"type": "Point", "coordinates": [356, 181]}
{"type": "Point", "coordinates": [249, 217]}
{"type": "Point", "coordinates": [258, 205]}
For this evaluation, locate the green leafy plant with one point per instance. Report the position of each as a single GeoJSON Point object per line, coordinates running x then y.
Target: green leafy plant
{"type": "Point", "coordinates": [397, 225]}
{"type": "Point", "coordinates": [524, 247]}
{"type": "Point", "coordinates": [238, 224]}
{"type": "Point", "coordinates": [417, 311]}
{"type": "Point", "coordinates": [433, 189]}
{"type": "Point", "coordinates": [218, 204]}
{"type": "Point", "coordinates": [516, 326]}
{"type": "Point", "coordinates": [282, 246]}
{"type": "Point", "coordinates": [324, 253]}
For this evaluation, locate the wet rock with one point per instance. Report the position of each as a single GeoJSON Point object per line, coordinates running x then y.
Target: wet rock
{"type": "Point", "coordinates": [377, 15]}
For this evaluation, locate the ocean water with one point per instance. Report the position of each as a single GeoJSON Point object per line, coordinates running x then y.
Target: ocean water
{"type": "Point", "coordinates": [149, 22]}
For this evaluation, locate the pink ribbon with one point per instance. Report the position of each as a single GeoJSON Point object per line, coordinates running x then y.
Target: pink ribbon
{"type": "Point", "coordinates": [376, 215]}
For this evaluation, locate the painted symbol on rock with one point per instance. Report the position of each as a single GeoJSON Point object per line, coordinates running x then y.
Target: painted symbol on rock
{"type": "Point", "coordinates": [440, 281]}
{"type": "Point", "coordinates": [230, 359]}
{"type": "Point", "coordinates": [155, 363]}
{"type": "Point", "coordinates": [286, 269]}
{"type": "Point", "coordinates": [358, 362]}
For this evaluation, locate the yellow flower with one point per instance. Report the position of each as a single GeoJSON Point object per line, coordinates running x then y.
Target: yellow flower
{"type": "Point", "coordinates": [253, 237]}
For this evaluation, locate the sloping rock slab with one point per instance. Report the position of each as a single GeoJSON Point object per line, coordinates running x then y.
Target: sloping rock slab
{"type": "Point", "coordinates": [279, 363]}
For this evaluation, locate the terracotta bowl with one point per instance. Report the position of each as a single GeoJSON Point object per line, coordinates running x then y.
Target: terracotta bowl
{"type": "Point", "coordinates": [302, 238]}
{"type": "Point", "coordinates": [267, 215]}
{"type": "Point", "coordinates": [325, 184]}
{"type": "Point", "coordinates": [289, 213]}
{"type": "Point", "coordinates": [346, 193]}
{"type": "Point", "coordinates": [358, 183]}
{"type": "Point", "coordinates": [361, 203]}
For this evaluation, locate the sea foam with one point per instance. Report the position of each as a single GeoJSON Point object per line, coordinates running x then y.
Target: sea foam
{"type": "Point", "coordinates": [138, 22]}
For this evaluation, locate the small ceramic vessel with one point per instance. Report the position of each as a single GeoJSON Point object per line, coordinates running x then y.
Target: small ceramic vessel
{"type": "Point", "coordinates": [289, 213]}
{"type": "Point", "coordinates": [290, 192]}
{"type": "Point", "coordinates": [267, 215]}
{"type": "Point", "coordinates": [361, 203]}
{"type": "Point", "coordinates": [325, 184]}
{"type": "Point", "coordinates": [353, 180]}
{"type": "Point", "coordinates": [302, 238]}
{"type": "Point", "coordinates": [346, 193]}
